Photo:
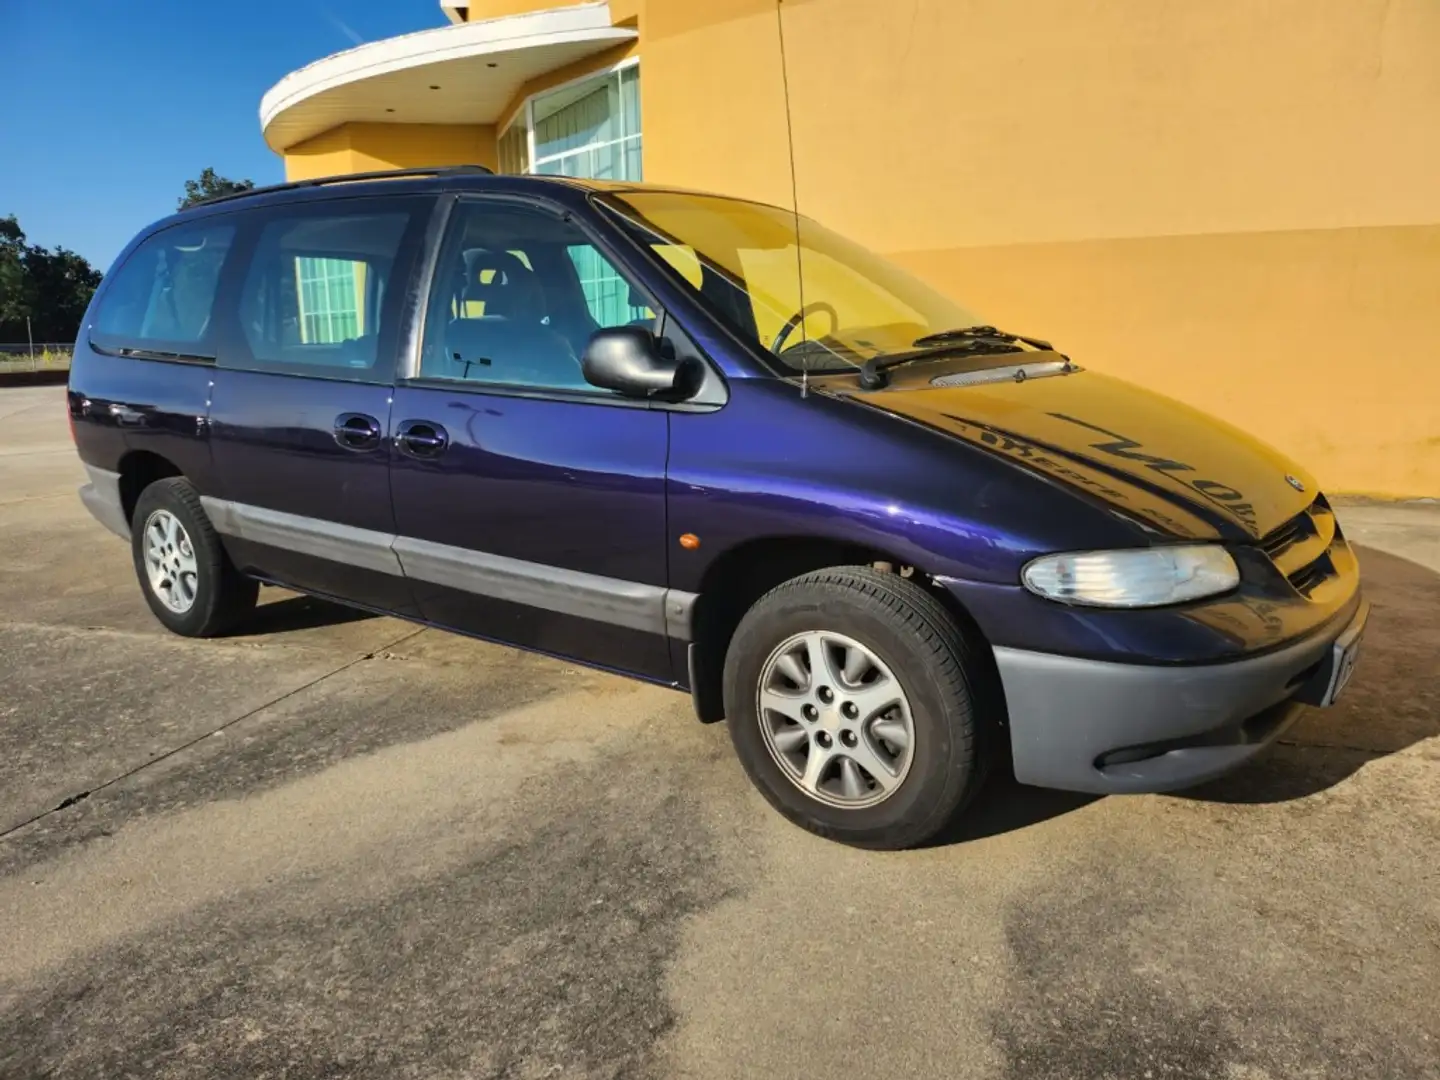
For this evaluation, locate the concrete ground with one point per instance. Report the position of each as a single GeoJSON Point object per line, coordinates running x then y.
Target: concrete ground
{"type": "Point", "coordinates": [341, 846]}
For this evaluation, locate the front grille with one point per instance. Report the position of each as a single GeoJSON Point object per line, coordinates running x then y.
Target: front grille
{"type": "Point", "coordinates": [1300, 547]}
{"type": "Point", "coordinates": [1288, 535]}
{"type": "Point", "coordinates": [1307, 578]}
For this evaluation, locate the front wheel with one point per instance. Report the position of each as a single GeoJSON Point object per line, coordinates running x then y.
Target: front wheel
{"type": "Point", "coordinates": [853, 703]}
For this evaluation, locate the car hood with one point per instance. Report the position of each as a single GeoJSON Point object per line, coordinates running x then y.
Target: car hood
{"type": "Point", "coordinates": [1153, 459]}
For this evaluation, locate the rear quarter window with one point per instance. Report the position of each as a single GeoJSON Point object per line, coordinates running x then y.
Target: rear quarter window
{"type": "Point", "coordinates": [162, 298]}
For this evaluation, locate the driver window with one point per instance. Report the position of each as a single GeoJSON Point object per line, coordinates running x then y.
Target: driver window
{"type": "Point", "coordinates": [517, 295]}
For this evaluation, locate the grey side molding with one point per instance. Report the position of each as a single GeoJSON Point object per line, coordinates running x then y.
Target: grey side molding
{"type": "Point", "coordinates": [634, 605]}
{"type": "Point", "coordinates": [346, 544]}
{"type": "Point", "coordinates": [630, 604]}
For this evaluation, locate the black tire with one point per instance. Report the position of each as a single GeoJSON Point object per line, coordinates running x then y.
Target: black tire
{"type": "Point", "coordinates": [938, 667]}
{"type": "Point", "coordinates": [223, 596]}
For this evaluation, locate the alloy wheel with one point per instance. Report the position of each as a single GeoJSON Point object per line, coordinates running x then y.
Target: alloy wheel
{"type": "Point", "coordinates": [170, 562]}
{"type": "Point", "coordinates": [835, 719]}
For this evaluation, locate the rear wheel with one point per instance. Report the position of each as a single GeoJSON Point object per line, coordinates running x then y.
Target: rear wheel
{"type": "Point", "coordinates": [852, 699]}
{"type": "Point", "coordinates": [186, 577]}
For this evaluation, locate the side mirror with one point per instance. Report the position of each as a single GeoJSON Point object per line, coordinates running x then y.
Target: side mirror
{"type": "Point", "coordinates": [628, 359]}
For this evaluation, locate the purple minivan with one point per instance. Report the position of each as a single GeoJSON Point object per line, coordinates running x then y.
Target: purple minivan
{"type": "Point", "coordinates": [709, 444]}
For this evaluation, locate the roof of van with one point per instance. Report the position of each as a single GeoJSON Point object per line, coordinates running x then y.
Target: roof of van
{"type": "Point", "coordinates": [431, 180]}
{"type": "Point", "coordinates": [388, 176]}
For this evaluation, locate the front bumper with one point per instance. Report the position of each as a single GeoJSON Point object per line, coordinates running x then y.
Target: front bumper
{"type": "Point", "coordinates": [1107, 728]}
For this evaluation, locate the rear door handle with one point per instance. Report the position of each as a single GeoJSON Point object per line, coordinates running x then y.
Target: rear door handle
{"type": "Point", "coordinates": [421, 439]}
{"type": "Point", "coordinates": [356, 431]}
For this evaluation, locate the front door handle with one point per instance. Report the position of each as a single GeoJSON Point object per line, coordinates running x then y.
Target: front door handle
{"type": "Point", "coordinates": [356, 431]}
{"type": "Point", "coordinates": [421, 439]}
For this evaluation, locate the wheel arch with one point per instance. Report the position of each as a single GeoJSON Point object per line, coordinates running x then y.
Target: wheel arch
{"type": "Point", "coordinates": [739, 576]}
{"type": "Point", "coordinates": [138, 470]}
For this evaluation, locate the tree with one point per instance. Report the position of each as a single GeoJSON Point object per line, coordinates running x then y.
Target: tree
{"type": "Point", "coordinates": [14, 287]}
{"type": "Point", "coordinates": [209, 186]}
{"type": "Point", "coordinates": [62, 284]}
{"type": "Point", "coordinates": [51, 288]}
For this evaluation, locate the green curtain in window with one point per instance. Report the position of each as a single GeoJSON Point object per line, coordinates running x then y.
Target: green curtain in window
{"type": "Point", "coordinates": [328, 304]}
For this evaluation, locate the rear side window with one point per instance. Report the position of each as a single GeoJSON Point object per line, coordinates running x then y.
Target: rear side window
{"type": "Point", "coordinates": [314, 296]}
{"type": "Point", "coordinates": [162, 298]}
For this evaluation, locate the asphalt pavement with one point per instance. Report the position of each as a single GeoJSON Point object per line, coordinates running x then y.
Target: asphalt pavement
{"type": "Point", "coordinates": [345, 846]}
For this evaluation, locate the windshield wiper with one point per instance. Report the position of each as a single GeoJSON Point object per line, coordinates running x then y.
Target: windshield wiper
{"type": "Point", "coordinates": [979, 339]}
{"type": "Point", "coordinates": [970, 332]}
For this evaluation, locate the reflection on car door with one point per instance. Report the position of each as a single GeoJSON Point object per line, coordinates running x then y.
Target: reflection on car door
{"type": "Point", "coordinates": [530, 507]}
{"type": "Point", "coordinates": [301, 405]}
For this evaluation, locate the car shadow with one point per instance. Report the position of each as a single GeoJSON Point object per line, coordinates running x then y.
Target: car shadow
{"type": "Point", "coordinates": [300, 612]}
{"type": "Point", "coordinates": [1006, 806]}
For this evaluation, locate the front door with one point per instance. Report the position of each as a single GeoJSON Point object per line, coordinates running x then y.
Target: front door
{"type": "Point", "coordinates": [530, 506]}
{"type": "Point", "coordinates": [302, 395]}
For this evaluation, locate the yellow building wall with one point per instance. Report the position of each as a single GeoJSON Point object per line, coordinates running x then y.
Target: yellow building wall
{"type": "Point", "coordinates": [712, 97]}
{"type": "Point", "coordinates": [1322, 342]}
{"type": "Point", "coordinates": [1233, 203]}
{"type": "Point", "coordinates": [366, 147]}
{"type": "Point", "coordinates": [1230, 202]}
{"type": "Point", "coordinates": [327, 154]}
{"type": "Point", "coordinates": [480, 10]}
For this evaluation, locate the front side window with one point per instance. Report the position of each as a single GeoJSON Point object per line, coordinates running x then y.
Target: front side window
{"type": "Point", "coordinates": [813, 299]}
{"type": "Point", "coordinates": [313, 299]}
{"type": "Point", "coordinates": [162, 298]}
{"type": "Point", "coordinates": [516, 297]}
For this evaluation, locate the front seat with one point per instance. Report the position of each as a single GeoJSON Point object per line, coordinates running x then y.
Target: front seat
{"type": "Point", "coordinates": [510, 343]}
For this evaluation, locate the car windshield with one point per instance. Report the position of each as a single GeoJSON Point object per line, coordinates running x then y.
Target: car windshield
{"type": "Point", "coordinates": [824, 304]}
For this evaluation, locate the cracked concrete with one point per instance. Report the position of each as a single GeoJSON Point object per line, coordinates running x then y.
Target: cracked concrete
{"type": "Point", "coordinates": [341, 846]}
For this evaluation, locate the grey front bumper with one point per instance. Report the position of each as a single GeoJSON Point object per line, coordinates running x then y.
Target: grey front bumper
{"type": "Point", "coordinates": [101, 497]}
{"type": "Point", "coordinates": [1095, 726]}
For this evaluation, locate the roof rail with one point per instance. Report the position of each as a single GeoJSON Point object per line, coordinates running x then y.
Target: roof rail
{"type": "Point", "coordinates": [346, 178]}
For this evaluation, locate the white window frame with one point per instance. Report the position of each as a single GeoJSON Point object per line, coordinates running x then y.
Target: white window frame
{"type": "Point", "coordinates": [527, 110]}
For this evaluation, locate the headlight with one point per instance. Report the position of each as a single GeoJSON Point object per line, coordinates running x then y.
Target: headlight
{"type": "Point", "coordinates": [1140, 577]}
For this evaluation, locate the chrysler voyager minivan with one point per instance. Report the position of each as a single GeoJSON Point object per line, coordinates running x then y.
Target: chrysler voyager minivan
{"type": "Point", "coordinates": [709, 444]}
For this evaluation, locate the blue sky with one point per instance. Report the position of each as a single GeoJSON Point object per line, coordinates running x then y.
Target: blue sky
{"type": "Point", "coordinates": [110, 106]}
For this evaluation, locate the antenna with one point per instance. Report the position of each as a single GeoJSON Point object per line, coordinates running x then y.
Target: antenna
{"type": "Point", "coordinates": [794, 187]}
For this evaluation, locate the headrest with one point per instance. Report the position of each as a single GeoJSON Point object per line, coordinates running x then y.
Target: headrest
{"type": "Point", "coordinates": [512, 291]}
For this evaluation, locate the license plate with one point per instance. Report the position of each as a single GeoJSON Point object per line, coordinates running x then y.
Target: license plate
{"type": "Point", "coordinates": [1346, 656]}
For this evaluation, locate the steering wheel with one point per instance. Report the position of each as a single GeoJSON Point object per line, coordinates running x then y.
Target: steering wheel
{"type": "Point", "coordinates": [800, 316]}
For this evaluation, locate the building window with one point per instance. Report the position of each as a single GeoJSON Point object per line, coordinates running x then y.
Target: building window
{"type": "Point", "coordinates": [608, 296]}
{"type": "Point", "coordinates": [331, 303]}
{"type": "Point", "coordinates": [588, 129]}
{"type": "Point", "coordinates": [513, 148]}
